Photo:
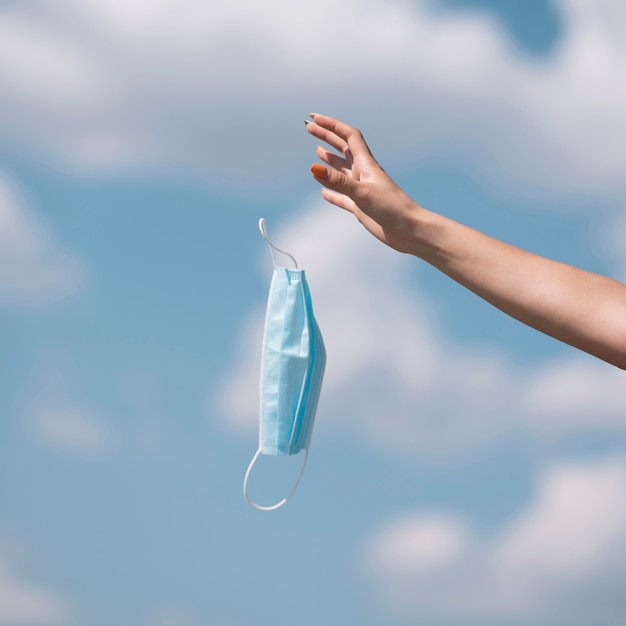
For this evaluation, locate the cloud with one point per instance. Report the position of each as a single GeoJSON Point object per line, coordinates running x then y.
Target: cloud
{"type": "Point", "coordinates": [574, 525]}
{"type": "Point", "coordinates": [172, 616]}
{"type": "Point", "coordinates": [24, 603]}
{"type": "Point", "coordinates": [392, 377]}
{"type": "Point", "coordinates": [420, 543]}
{"type": "Point", "coordinates": [576, 393]}
{"type": "Point", "coordinates": [54, 416]}
{"type": "Point", "coordinates": [35, 272]}
{"type": "Point", "coordinates": [560, 561]}
{"type": "Point", "coordinates": [108, 84]}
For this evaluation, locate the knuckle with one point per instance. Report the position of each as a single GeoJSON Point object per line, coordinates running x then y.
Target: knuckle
{"type": "Point", "coordinates": [355, 132]}
{"type": "Point", "coordinates": [338, 179]}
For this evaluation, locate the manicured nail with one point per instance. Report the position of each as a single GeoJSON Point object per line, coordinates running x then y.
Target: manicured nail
{"type": "Point", "coordinates": [312, 115]}
{"type": "Point", "coordinates": [319, 171]}
{"type": "Point", "coordinates": [307, 122]}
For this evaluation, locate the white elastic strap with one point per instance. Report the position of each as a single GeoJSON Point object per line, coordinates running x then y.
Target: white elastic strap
{"type": "Point", "coordinates": [263, 229]}
{"type": "Point", "coordinates": [279, 504]}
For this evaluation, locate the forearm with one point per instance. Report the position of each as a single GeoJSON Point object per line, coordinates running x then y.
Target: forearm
{"type": "Point", "coordinates": [582, 309]}
{"type": "Point", "coordinates": [577, 307]}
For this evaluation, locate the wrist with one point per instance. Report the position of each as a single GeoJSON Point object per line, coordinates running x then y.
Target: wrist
{"type": "Point", "coordinates": [424, 230]}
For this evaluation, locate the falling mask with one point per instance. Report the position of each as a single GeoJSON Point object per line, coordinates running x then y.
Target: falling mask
{"type": "Point", "coordinates": [292, 367]}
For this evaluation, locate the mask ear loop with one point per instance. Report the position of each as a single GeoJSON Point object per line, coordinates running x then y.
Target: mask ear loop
{"type": "Point", "coordinates": [278, 504]}
{"type": "Point", "coordinates": [263, 229]}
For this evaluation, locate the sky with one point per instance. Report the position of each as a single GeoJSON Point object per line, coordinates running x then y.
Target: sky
{"type": "Point", "coordinates": [464, 470]}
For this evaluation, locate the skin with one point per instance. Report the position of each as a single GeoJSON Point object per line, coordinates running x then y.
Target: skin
{"type": "Point", "coordinates": [582, 309]}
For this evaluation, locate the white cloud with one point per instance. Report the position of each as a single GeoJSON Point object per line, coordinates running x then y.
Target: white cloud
{"type": "Point", "coordinates": [576, 394]}
{"type": "Point", "coordinates": [572, 528]}
{"type": "Point", "coordinates": [31, 49]}
{"type": "Point", "coordinates": [558, 562]}
{"type": "Point", "coordinates": [388, 370]}
{"type": "Point", "coordinates": [172, 616]}
{"type": "Point", "coordinates": [23, 603]}
{"type": "Point", "coordinates": [35, 271]}
{"type": "Point", "coordinates": [73, 427]}
{"type": "Point", "coordinates": [179, 616]}
{"type": "Point", "coordinates": [392, 377]}
{"type": "Point", "coordinates": [54, 415]}
{"type": "Point", "coordinates": [113, 84]}
{"type": "Point", "coordinates": [419, 543]}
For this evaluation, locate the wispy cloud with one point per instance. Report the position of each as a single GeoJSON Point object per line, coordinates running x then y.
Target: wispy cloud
{"type": "Point", "coordinates": [104, 84]}
{"type": "Point", "coordinates": [35, 271]}
{"type": "Point", "coordinates": [56, 412]}
{"type": "Point", "coordinates": [172, 616]}
{"type": "Point", "coordinates": [393, 375]}
{"type": "Point", "coordinates": [25, 603]}
{"type": "Point", "coordinates": [55, 415]}
{"type": "Point", "coordinates": [557, 562]}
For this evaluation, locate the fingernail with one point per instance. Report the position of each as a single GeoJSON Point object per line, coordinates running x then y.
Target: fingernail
{"type": "Point", "coordinates": [319, 171]}
{"type": "Point", "coordinates": [312, 115]}
{"type": "Point", "coordinates": [307, 122]}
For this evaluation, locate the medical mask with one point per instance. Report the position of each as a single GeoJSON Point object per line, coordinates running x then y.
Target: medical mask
{"type": "Point", "coordinates": [292, 367]}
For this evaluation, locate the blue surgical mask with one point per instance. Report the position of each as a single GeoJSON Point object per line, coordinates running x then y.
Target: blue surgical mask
{"type": "Point", "coordinates": [292, 367]}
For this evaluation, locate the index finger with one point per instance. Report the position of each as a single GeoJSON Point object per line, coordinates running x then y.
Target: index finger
{"type": "Point", "coordinates": [348, 135]}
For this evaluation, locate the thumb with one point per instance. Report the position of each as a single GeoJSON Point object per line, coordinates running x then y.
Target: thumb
{"type": "Point", "coordinates": [333, 179]}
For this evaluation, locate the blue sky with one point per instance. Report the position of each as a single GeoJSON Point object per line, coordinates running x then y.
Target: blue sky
{"type": "Point", "coordinates": [464, 469]}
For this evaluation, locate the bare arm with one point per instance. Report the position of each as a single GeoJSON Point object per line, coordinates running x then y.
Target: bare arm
{"type": "Point", "coordinates": [585, 310]}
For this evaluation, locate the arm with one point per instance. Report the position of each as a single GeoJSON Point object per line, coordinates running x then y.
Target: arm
{"type": "Point", "coordinates": [585, 310]}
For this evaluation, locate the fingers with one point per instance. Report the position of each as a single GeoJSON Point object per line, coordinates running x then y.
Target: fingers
{"type": "Point", "coordinates": [338, 134]}
{"type": "Point", "coordinates": [345, 203]}
{"type": "Point", "coordinates": [344, 179]}
{"type": "Point", "coordinates": [333, 179]}
{"type": "Point", "coordinates": [333, 160]}
{"type": "Point", "coordinates": [327, 136]}
{"type": "Point", "coordinates": [339, 199]}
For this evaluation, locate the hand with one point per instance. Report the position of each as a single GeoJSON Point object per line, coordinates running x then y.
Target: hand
{"type": "Point", "coordinates": [357, 183]}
